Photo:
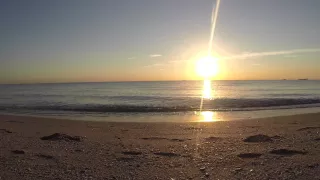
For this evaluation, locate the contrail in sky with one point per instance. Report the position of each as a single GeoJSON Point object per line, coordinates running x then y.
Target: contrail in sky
{"type": "Point", "coordinates": [207, 82]}
{"type": "Point", "coordinates": [214, 17]}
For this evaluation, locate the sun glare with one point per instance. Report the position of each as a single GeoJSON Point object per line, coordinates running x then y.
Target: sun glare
{"type": "Point", "coordinates": [207, 67]}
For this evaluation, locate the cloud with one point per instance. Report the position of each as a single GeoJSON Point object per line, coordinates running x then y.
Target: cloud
{"type": "Point", "coordinates": [155, 55]}
{"type": "Point", "coordinates": [131, 58]}
{"type": "Point", "coordinates": [271, 53]}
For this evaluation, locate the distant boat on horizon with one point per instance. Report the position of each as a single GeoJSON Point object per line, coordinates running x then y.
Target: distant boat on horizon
{"type": "Point", "coordinates": [303, 79]}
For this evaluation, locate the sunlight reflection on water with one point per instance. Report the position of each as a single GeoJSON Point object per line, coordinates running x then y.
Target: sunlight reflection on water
{"type": "Point", "coordinates": [207, 116]}
{"type": "Point", "coordinates": [207, 91]}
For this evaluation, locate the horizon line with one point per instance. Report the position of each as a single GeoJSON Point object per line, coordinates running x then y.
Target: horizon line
{"type": "Point", "coordinates": [75, 82]}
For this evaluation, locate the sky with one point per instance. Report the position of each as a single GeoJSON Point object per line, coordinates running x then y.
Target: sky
{"type": "Point", "coordinates": [145, 40]}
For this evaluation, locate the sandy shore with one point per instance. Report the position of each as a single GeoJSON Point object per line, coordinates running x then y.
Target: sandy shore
{"type": "Point", "coordinates": [272, 148]}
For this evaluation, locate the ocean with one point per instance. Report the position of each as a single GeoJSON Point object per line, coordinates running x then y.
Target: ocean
{"type": "Point", "coordinates": [161, 100]}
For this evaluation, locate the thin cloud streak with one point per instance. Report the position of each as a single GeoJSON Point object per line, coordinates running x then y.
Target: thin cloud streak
{"type": "Point", "coordinates": [131, 58]}
{"type": "Point", "coordinates": [155, 55]}
{"type": "Point", "coordinates": [288, 53]}
{"type": "Point", "coordinates": [271, 53]}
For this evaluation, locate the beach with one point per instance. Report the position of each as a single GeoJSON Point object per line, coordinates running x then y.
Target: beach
{"type": "Point", "coordinates": [284, 147]}
{"type": "Point", "coordinates": [160, 90]}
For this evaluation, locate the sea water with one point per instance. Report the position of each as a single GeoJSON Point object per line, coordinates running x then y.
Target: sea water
{"type": "Point", "coordinates": [161, 100]}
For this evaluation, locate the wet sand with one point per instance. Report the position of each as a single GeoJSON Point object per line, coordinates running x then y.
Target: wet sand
{"type": "Point", "coordinates": [271, 148]}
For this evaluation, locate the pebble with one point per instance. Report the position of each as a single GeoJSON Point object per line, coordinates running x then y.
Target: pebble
{"type": "Point", "coordinates": [238, 169]}
{"type": "Point", "coordinates": [202, 168]}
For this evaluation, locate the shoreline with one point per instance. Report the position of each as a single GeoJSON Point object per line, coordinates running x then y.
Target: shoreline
{"type": "Point", "coordinates": [284, 147]}
{"type": "Point", "coordinates": [54, 118]}
{"type": "Point", "coordinates": [172, 117]}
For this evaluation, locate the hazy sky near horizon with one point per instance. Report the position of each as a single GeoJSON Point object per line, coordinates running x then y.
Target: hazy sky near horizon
{"type": "Point", "coordinates": [132, 40]}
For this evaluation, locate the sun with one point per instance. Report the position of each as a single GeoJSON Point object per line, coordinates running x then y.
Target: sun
{"type": "Point", "coordinates": [207, 67]}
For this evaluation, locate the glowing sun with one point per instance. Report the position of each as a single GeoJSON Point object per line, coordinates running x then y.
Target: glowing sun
{"type": "Point", "coordinates": [207, 67]}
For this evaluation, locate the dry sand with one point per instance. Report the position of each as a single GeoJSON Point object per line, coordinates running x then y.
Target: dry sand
{"type": "Point", "coordinates": [271, 148]}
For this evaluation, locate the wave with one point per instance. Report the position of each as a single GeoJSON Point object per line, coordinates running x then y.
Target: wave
{"type": "Point", "coordinates": [254, 103]}
{"type": "Point", "coordinates": [208, 105]}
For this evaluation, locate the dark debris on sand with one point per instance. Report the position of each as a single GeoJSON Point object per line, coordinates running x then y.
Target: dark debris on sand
{"type": "Point", "coordinates": [131, 152]}
{"type": "Point", "coordinates": [312, 166]}
{"type": "Point", "coordinates": [162, 138]}
{"type": "Point", "coordinates": [5, 130]}
{"type": "Point", "coordinates": [308, 128]}
{"type": "Point", "coordinates": [287, 152]}
{"type": "Point", "coordinates": [12, 121]}
{"type": "Point", "coordinates": [18, 152]}
{"type": "Point", "coordinates": [168, 154]}
{"type": "Point", "coordinates": [60, 136]}
{"type": "Point", "coordinates": [276, 137]}
{"type": "Point", "coordinates": [193, 128]}
{"type": "Point", "coordinates": [78, 150]}
{"type": "Point", "coordinates": [258, 138]}
{"type": "Point", "coordinates": [249, 155]}
{"type": "Point", "coordinates": [178, 140]}
{"type": "Point", "coordinates": [45, 156]}
{"type": "Point", "coordinates": [126, 159]}
{"type": "Point", "coordinates": [154, 138]}
{"type": "Point", "coordinates": [212, 138]}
